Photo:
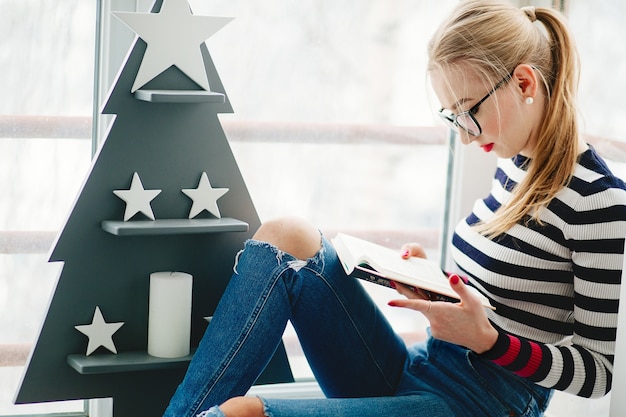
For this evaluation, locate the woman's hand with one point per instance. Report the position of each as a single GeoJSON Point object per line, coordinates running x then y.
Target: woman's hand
{"type": "Point", "coordinates": [412, 249]}
{"type": "Point", "coordinates": [464, 323]}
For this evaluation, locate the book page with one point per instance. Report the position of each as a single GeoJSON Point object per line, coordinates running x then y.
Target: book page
{"type": "Point", "coordinates": [388, 263]}
{"type": "Point", "coordinates": [387, 260]}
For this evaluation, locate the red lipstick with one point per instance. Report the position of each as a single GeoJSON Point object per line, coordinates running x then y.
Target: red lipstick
{"type": "Point", "coordinates": [488, 147]}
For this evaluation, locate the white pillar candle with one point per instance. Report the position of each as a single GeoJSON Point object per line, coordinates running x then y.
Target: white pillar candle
{"type": "Point", "coordinates": [169, 315]}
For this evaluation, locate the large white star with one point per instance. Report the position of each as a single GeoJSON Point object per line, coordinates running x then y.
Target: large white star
{"type": "Point", "coordinates": [204, 197]}
{"type": "Point", "coordinates": [174, 36]}
{"type": "Point", "coordinates": [99, 332]}
{"type": "Point", "coordinates": [137, 199]}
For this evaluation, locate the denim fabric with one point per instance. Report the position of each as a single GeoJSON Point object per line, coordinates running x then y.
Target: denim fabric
{"type": "Point", "coordinates": [362, 366]}
{"type": "Point", "coordinates": [440, 380]}
{"type": "Point", "coordinates": [212, 412]}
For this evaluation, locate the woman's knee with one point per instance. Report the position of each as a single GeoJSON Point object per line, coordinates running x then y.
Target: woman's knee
{"type": "Point", "coordinates": [293, 235]}
{"type": "Point", "coordinates": [243, 407]}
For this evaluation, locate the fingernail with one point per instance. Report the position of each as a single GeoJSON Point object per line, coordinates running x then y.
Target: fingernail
{"type": "Point", "coordinates": [454, 279]}
{"type": "Point", "coordinates": [405, 253]}
{"type": "Point", "coordinates": [462, 278]}
{"type": "Point", "coordinates": [393, 284]}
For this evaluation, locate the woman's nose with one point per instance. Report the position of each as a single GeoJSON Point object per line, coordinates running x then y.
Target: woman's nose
{"type": "Point", "coordinates": [465, 137]}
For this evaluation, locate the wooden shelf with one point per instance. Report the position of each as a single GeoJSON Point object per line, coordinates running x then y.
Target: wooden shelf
{"type": "Point", "coordinates": [173, 226]}
{"type": "Point", "coordinates": [124, 362]}
{"type": "Point", "coordinates": [179, 96]}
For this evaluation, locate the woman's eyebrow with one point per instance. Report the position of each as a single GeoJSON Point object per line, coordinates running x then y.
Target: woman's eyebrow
{"type": "Point", "coordinates": [456, 106]}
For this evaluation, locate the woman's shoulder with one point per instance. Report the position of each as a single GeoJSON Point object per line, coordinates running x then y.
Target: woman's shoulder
{"type": "Point", "coordinates": [594, 195]}
{"type": "Point", "coordinates": [594, 174]}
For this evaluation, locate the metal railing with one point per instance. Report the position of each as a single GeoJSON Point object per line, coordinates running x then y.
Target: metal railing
{"type": "Point", "coordinates": [38, 242]}
{"type": "Point", "coordinates": [43, 127]}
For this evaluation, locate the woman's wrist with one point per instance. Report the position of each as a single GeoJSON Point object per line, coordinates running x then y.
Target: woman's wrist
{"type": "Point", "coordinates": [487, 341]}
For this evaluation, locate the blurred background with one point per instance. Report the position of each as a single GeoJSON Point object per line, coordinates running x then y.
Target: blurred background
{"type": "Point", "coordinates": [333, 121]}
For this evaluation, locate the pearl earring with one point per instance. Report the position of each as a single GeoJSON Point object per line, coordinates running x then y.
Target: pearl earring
{"type": "Point", "coordinates": [530, 100]}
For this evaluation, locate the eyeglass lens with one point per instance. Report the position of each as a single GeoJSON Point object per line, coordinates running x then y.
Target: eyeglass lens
{"type": "Point", "coordinates": [467, 123]}
{"type": "Point", "coordinates": [464, 121]}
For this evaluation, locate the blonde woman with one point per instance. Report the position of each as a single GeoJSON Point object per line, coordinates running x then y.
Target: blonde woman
{"type": "Point", "coordinates": [545, 246]}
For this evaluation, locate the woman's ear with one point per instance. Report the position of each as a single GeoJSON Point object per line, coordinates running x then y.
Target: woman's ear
{"type": "Point", "coordinates": [527, 82]}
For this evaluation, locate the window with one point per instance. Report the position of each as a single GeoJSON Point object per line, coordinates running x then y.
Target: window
{"type": "Point", "coordinates": [331, 103]}
{"type": "Point", "coordinates": [44, 121]}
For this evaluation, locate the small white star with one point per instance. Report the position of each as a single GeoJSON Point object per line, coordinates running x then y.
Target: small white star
{"type": "Point", "coordinates": [99, 332]}
{"type": "Point", "coordinates": [204, 197]}
{"type": "Point", "coordinates": [174, 36]}
{"type": "Point", "coordinates": [137, 199]}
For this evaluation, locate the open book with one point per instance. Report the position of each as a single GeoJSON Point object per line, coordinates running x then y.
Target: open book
{"type": "Point", "coordinates": [375, 263]}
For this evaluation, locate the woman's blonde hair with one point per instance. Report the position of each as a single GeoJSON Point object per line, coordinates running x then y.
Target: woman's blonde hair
{"type": "Point", "coordinates": [494, 37]}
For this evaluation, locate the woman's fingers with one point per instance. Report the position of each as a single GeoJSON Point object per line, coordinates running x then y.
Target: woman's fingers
{"type": "Point", "coordinates": [412, 249]}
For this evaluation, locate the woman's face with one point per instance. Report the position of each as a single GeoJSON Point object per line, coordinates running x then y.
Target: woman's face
{"type": "Point", "coordinates": [508, 124]}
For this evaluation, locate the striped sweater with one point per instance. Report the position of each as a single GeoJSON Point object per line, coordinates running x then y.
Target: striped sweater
{"type": "Point", "coordinates": [555, 286]}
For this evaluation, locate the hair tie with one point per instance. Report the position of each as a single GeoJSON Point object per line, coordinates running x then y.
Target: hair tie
{"type": "Point", "coordinates": [530, 12]}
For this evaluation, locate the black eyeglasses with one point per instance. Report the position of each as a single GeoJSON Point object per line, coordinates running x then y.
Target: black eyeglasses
{"type": "Point", "coordinates": [466, 120]}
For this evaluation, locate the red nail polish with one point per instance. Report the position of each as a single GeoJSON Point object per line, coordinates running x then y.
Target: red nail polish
{"type": "Point", "coordinates": [393, 284]}
{"type": "Point", "coordinates": [405, 254]}
{"type": "Point", "coordinates": [454, 279]}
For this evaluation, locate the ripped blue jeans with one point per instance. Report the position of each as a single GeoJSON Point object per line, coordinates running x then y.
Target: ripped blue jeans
{"type": "Point", "coordinates": [362, 366]}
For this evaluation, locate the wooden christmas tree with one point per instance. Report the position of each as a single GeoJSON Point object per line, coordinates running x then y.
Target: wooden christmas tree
{"type": "Point", "coordinates": [164, 193]}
